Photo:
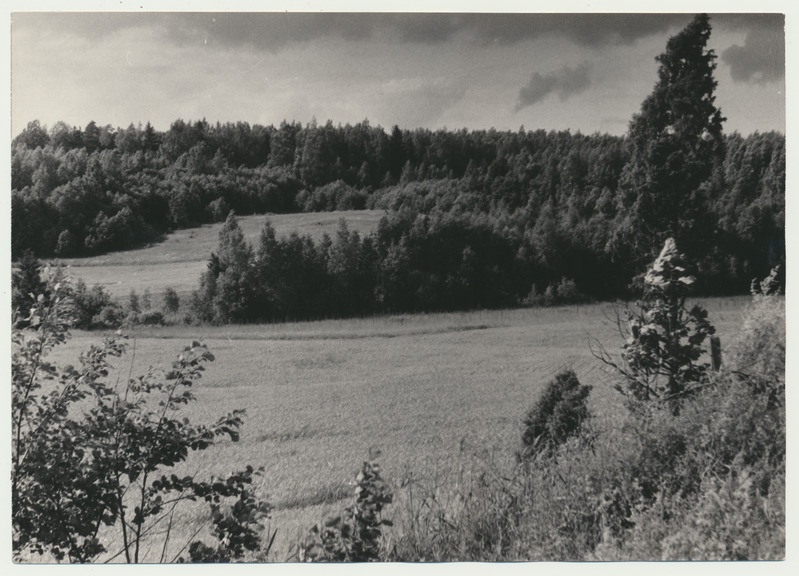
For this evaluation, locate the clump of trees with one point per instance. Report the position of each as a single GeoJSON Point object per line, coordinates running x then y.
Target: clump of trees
{"type": "Point", "coordinates": [408, 265]}
{"type": "Point", "coordinates": [570, 202]}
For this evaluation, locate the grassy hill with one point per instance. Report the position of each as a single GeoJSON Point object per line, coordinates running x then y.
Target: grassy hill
{"type": "Point", "coordinates": [180, 258]}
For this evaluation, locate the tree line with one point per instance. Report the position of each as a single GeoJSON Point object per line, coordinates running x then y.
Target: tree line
{"type": "Point", "coordinates": [70, 198]}
{"type": "Point", "coordinates": [411, 263]}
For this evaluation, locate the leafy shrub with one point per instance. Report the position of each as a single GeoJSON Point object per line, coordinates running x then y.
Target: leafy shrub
{"type": "Point", "coordinates": [94, 308]}
{"type": "Point", "coordinates": [558, 415]}
{"type": "Point", "coordinates": [664, 465]}
{"type": "Point", "coordinates": [171, 301]}
{"type": "Point", "coordinates": [218, 210]}
{"type": "Point", "coordinates": [355, 535]}
{"type": "Point", "coordinates": [752, 389]}
{"type": "Point", "coordinates": [79, 474]}
{"type": "Point", "coordinates": [151, 318]}
{"type": "Point", "coordinates": [728, 519]}
{"type": "Point", "coordinates": [236, 529]}
{"type": "Point", "coordinates": [712, 478]}
{"type": "Point", "coordinates": [134, 303]}
{"type": "Point", "coordinates": [567, 292]}
{"type": "Point", "coordinates": [759, 353]}
{"type": "Point", "coordinates": [336, 195]}
{"type": "Point", "coordinates": [146, 300]}
{"type": "Point", "coordinates": [66, 244]}
{"type": "Point", "coordinates": [111, 316]}
{"type": "Point", "coordinates": [535, 298]}
{"type": "Point", "coordinates": [731, 521]}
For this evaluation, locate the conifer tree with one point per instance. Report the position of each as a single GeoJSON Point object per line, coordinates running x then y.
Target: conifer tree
{"type": "Point", "coordinates": [26, 284]}
{"type": "Point", "coordinates": [676, 152]}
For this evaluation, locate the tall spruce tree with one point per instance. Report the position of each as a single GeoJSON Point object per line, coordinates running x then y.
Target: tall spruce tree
{"type": "Point", "coordinates": [226, 287]}
{"type": "Point", "coordinates": [676, 153]}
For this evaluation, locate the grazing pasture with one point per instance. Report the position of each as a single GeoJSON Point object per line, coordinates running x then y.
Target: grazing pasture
{"type": "Point", "coordinates": [180, 258]}
{"type": "Point", "coordinates": [430, 391]}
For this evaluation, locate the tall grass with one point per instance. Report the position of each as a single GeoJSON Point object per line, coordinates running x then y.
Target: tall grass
{"type": "Point", "coordinates": [707, 484]}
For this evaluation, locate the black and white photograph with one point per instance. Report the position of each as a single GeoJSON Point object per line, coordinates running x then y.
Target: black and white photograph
{"type": "Point", "coordinates": [417, 284]}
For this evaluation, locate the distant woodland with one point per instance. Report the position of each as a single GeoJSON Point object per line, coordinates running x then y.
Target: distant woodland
{"type": "Point", "coordinates": [552, 203]}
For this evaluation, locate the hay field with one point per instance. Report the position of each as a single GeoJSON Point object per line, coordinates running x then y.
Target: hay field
{"type": "Point", "coordinates": [431, 391]}
{"type": "Point", "coordinates": [181, 257]}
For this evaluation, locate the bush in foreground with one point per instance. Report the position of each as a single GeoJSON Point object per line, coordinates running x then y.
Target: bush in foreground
{"type": "Point", "coordinates": [92, 460]}
{"type": "Point", "coordinates": [558, 415]}
{"type": "Point", "coordinates": [356, 535]}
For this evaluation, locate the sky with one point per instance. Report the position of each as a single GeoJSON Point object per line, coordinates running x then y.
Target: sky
{"type": "Point", "coordinates": [585, 72]}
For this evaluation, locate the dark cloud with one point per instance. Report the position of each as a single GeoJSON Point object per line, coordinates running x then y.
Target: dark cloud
{"type": "Point", "coordinates": [270, 31]}
{"type": "Point", "coordinates": [85, 24]}
{"type": "Point", "coordinates": [587, 29]}
{"type": "Point", "coordinates": [265, 30]}
{"type": "Point", "coordinates": [416, 28]}
{"type": "Point", "coordinates": [274, 30]}
{"type": "Point", "coordinates": [762, 57]}
{"type": "Point", "coordinates": [564, 82]}
{"type": "Point", "coordinates": [748, 21]}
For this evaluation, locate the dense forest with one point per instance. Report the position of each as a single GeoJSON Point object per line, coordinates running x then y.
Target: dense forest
{"type": "Point", "coordinates": [474, 218]}
{"type": "Point", "coordinates": [553, 198]}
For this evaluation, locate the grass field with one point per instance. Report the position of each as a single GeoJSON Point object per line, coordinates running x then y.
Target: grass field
{"type": "Point", "coordinates": [180, 258]}
{"type": "Point", "coordinates": [427, 390]}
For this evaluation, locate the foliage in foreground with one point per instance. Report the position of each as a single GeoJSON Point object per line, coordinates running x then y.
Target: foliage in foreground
{"type": "Point", "coordinates": [704, 483]}
{"type": "Point", "coordinates": [93, 458]}
{"type": "Point", "coordinates": [660, 359]}
{"type": "Point", "coordinates": [558, 415]}
{"type": "Point", "coordinates": [356, 535]}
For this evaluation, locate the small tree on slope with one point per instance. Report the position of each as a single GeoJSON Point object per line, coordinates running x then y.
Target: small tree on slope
{"type": "Point", "coordinates": [660, 358]}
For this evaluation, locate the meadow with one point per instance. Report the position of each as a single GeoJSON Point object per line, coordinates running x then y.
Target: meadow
{"type": "Point", "coordinates": [181, 257]}
{"type": "Point", "coordinates": [432, 392]}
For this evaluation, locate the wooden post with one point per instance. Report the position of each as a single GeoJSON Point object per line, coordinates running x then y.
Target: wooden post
{"type": "Point", "coordinates": [715, 352]}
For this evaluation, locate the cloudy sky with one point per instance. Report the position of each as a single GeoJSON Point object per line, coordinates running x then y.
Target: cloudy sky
{"type": "Point", "coordinates": [586, 72]}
